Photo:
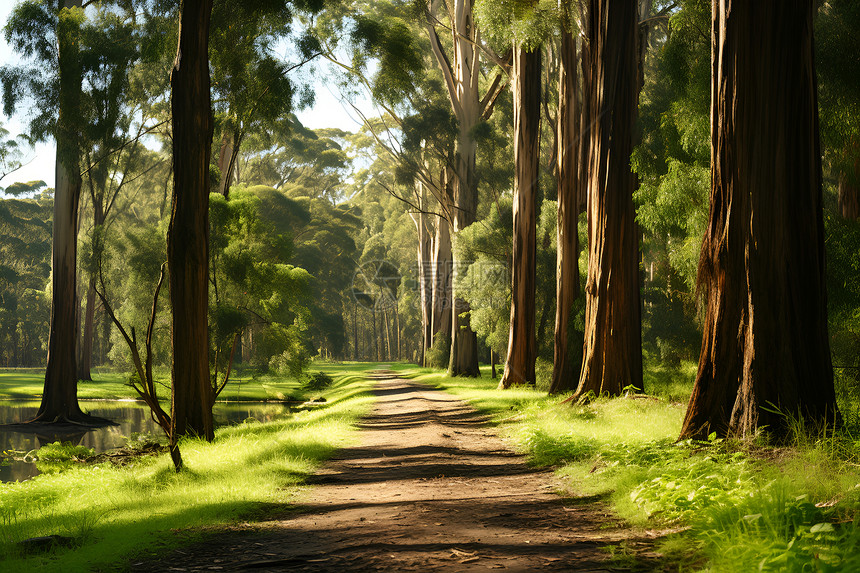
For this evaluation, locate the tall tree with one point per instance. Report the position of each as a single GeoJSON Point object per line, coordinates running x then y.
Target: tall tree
{"type": "Point", "coordinates": [571, 155]}
{"type": "Point", "coordinates": [522, 346]}
{"type": "Point", "coordinates": [461, 72]}
{"type": "Point", "coordinates": [50, 34]}
{"type": "Point", "coordinates": [612, 353]}
{"type": "Point", "coordinates": [188, 233]}
{"type": "Point", "coordinates": [765, 351]}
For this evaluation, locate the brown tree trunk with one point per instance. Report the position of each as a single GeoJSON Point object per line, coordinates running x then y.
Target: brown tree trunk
{"type": "Point", "coordinates": [442, 266]}
{"type": "Point", "coordinates": [564, 370]}
{"type": "Point", "coordinates": [765, 344]}
{"type": "Point", "coordinates": [226, 162]}
{"type": "Point", "coordinates": [461, 75]}
{"type": "Point", "coordinates": [849, 186]}
{"type": "Point", "coordinates": [188, 233]}
{"type": "Point", "coordinates": [522, 347]}
{"type": "Point", "coordinates": [425, 277]}
{"type": "Point", "coordinates": [59, 397]}
{"type": "Point", "coordinates": [86, 354]}
{"type": "Point", "coordinates": [612, 350]}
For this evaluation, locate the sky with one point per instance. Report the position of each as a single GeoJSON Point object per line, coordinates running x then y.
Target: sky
{"type": "Point", "coordinates": [328, 111]}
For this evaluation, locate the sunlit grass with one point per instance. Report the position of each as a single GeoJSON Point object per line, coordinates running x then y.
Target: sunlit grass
{"type": "Point", "coordinates": [114, 514]}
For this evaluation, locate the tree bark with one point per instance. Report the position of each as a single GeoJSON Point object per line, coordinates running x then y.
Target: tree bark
{"type": "Point", "coordinates": [569, 142]}
{"type": "Point", "coordinates": [442, 266]}
{"type": "Point", "coordinates": [612, 350]}
{"type": "Point", "coordinates": [765, 346]}
{"type": "Point", "coordinates": [60, 394]}
{"type": "Point", "coordinates": [461, 79]}
{"type": "Point", "coordinates": [849, 186]}
{"type": "Point", "coordinates": [188, 233]}
{"type": "Point", "coordinates": [522, 346]}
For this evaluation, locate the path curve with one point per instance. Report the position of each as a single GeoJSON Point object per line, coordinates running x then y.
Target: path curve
{"type": "Point", "coordinates": [430, 487]}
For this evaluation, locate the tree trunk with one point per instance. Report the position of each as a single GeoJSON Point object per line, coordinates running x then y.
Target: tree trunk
{"type": "Point", "coordinates": [226, 162]}
{"type": "Point", "coordinates": [765, 346]}
{"type": "Point", "coordinates": [188, 233]}
{"type": "Point", "coordinates": [60, 394]}
{"type": "Point", "coordinates": [442, 266]}
{"type": "Point", "coordinates": [567, 230]}
{"type": "Point", "coordinates": [461, 76]}
{"type": "Point", "coordinates": [849, 186]}
{"type": "Point", "coordinates": [522, 346]}
{"type": "Point", "coordinates": [425, 276]}
{"type": "Point", "coordinates": [612, 349]}
{"type": "Point", "coordinates": [86, 354]}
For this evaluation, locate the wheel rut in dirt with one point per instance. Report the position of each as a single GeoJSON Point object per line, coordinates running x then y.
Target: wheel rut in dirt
{"type": "Point", "coordinates": [430, 487]}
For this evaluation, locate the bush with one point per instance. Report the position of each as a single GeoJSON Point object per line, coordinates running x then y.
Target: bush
{"type": "Point", "coordinates": [440, 352]}
{"type": "Point", "coordinates": [318, 381]}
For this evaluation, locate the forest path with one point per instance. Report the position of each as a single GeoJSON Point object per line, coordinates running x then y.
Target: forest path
{"type": "Point", "coordinates": [430, 487]}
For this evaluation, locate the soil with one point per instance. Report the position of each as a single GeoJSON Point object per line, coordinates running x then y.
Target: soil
{"type": "Point", "coordinates": [430, 487]}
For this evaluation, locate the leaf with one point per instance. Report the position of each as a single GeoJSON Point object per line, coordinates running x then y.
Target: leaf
{"type": "Point", "coordinates": [822, 528]}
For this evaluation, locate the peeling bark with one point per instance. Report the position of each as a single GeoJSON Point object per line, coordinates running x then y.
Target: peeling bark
{"type": "Point", "coordinates": [522, 346]}
{"type": "Point", "coordinates": [612, 350]}
{"type": "Point", "coordinates": [188, 233]}
{"type": "Point", "coordinates": [765, 345]}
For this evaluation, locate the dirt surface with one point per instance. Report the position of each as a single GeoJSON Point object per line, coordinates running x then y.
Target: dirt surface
{"type": "Point", "coordinates": [429, 488]}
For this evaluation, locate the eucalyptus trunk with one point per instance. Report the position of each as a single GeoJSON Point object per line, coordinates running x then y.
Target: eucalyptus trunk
{"type": "Point", "coordinates": [188, 233]}
{"type": "Point", "coordinates": [570, 143]}
{"type": "Point", "coordinates": [765, 350]}
{"type": "Point", "coordinates": [612, 349]}
{"type": "Point", "coordinates": [849, 186]}
{"type": "Point", "coordinates": [461, 73]}
{"type": "Point", "coordinates": [86, 355]}
{"type": "Point", "coordinates": [522, 347]}
{"type": "Point", "coordinates": [60, 394]}
{"type": "Point", "coordinates": [442, 265]}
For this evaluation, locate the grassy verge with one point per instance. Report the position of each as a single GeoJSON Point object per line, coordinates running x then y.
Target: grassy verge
{"type": "Point", "coordinates": [113, 514]}
{"type": "Point", "coordinates": [27, 383]}
{"type": "Point", "coordinates": [734, 506]}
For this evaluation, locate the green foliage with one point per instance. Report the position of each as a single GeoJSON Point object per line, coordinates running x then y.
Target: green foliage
{"type": "Point", "coordinates": [526, 22]}
{"type": "Point", "coordinates": [318, 381]}
{"type": "Point", "coordinates": [25, 267]}
{"type": "Point", "coordinates": [62, 452]}
{"type": "Point", "coordinates": [673, 164]}
{"type": "Point", "coordinates": [440, 351]}
{"type": "Point", "coordinates": [254, 285]}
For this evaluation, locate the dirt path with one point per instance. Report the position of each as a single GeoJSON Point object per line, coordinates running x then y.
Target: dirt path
{"type": "Point", "coordinates": [429, 488]}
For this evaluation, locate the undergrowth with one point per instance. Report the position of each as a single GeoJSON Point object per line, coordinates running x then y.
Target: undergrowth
{"type": "Point", "coordinates": [732, 505]}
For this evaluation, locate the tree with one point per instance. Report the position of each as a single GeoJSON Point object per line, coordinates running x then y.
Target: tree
{"type": "Point", "coordinates": [612, 353]}
{"type": "Point", "coordinates": [461, 72]}
{"type": "Point", "coordinates": [52, 35]}
{"type": "Point", "coordinates": [765, 351]}
{"type": "Point", "coordinates": [188, 234]}
{"type": "Point", "coordinates": [522, 347]}
{"type": "Point", "coordinates": [571, 155]}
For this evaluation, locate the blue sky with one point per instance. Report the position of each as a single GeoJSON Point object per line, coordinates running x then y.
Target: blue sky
{"type": "Point", "coordinates": [328, 111]}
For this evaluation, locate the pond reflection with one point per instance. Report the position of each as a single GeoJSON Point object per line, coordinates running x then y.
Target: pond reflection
{"type": "Point", "coordinates": [133, 419]}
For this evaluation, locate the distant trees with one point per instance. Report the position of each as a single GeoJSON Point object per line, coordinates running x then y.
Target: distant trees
{"type": "Point", "coordinates": [765, 353]}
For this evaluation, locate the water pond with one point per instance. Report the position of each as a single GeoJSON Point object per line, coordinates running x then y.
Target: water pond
{"type": "Point", "coordinates": [134, 423]}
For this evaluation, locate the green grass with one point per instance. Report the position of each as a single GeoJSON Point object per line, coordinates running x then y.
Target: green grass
{"type": "Point", "coordinates": [740, 505]}
{"type": "Point", "coordinates": [107, 384]}
{"type": "Point", "coordinates": [116, 514]}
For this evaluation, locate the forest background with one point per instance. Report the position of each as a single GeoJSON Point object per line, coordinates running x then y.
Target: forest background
{"type": "Point", "coordinates": [323, 241]}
